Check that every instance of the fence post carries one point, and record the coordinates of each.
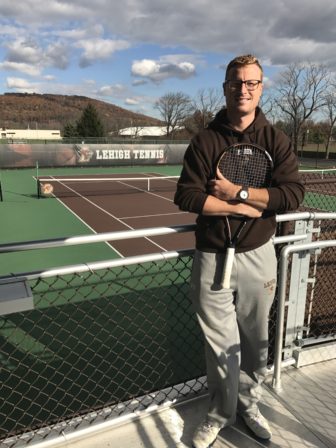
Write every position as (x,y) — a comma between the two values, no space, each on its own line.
(298,291)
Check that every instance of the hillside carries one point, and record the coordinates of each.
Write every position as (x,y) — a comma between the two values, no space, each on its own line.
(48,111)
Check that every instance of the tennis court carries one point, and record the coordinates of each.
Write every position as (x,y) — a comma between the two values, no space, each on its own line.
(95,205)
(123,202)
(83,207)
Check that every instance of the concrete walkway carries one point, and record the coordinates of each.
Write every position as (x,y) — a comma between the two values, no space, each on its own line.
(302,415)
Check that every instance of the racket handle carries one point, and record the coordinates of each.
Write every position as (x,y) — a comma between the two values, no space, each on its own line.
(228,264)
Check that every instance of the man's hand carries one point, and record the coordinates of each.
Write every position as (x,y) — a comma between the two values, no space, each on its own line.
(222,188)
(248,210)
(225,190)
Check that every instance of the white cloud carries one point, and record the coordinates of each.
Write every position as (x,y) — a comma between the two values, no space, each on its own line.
(78,33)
(97,49)
(139,82)
(132,101)
(268,29)
(21,85)
(233,26)
(27,56)
(28,69)
(24,51)
(116,90)
(160,70)
(57,55)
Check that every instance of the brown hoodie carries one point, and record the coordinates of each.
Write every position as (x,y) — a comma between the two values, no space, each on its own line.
(285,193)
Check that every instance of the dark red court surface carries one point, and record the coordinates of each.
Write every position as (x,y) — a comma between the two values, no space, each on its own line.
(126,205)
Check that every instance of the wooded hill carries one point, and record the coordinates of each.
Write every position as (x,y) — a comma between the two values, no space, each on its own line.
(48,111)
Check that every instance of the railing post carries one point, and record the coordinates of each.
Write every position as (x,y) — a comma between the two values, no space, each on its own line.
(297,291)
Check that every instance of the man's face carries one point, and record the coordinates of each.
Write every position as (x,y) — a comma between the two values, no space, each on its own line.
(239,99)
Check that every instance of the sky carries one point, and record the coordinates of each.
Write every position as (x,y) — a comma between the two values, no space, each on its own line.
(132,52)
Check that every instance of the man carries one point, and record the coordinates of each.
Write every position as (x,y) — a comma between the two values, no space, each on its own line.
(235,320)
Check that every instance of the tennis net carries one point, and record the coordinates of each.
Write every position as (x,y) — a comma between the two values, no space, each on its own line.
(96,186)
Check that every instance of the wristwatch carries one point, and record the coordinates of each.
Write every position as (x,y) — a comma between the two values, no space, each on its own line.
(243,194)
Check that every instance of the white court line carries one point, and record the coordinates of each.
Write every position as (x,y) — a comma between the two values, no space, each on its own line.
(109,214)
(145,191)
(82,220)
(153,216)
(86,224)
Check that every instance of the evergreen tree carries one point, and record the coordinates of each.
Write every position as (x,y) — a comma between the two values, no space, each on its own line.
(69,131)
(89,124)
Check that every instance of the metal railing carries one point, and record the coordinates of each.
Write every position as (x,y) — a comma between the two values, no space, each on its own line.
(96,342)
(107,339)
(280,324)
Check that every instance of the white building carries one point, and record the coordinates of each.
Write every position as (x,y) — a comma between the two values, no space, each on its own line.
(30,134)
(143,131)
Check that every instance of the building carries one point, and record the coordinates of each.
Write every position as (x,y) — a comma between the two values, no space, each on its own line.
(145,131)
(30,134)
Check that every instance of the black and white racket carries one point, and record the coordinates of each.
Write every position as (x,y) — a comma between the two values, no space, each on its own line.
(248,165)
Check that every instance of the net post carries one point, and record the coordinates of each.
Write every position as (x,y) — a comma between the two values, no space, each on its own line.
(1,196)
(38,186)
(37,180)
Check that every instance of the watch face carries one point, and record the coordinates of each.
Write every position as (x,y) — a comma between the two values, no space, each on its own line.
(243,194)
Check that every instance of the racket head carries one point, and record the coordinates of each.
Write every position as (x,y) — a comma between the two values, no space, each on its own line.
(246,164)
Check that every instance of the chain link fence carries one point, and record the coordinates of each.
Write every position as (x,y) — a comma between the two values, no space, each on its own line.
(320,309)
(110,341)
(99,339)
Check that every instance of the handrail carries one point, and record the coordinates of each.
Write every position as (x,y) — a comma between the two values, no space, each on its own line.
(128,234)
(95,265)
(87,239)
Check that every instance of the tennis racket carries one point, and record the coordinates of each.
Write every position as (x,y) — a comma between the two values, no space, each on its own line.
(248,165)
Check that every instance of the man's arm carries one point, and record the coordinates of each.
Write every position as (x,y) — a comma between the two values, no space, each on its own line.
(217,207)
(225,190)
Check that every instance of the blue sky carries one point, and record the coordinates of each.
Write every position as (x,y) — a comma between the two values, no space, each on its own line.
(131,52)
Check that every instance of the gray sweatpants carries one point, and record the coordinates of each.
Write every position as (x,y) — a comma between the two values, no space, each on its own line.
(235,325)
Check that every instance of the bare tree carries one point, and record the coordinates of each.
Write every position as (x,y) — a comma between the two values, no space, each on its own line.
(174,109)
(268,106)
(329,110)
(206,104)
(300,93)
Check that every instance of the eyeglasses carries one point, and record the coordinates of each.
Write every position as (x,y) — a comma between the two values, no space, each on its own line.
(250,84)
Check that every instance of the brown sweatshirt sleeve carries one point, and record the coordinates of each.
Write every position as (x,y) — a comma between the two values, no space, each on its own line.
(191,192)
(287,190)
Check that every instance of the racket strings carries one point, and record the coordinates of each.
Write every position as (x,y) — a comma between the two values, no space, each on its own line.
(246,166)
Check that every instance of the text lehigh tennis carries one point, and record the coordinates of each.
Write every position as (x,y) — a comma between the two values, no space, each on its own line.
(103,154)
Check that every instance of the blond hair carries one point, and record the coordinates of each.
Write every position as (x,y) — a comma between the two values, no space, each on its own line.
(239,61)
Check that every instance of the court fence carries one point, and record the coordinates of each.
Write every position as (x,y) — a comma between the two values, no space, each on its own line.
(94,343)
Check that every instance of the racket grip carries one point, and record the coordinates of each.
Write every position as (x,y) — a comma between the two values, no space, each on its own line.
(228,264)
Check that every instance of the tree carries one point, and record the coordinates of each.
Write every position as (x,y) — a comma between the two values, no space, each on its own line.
(69,131)
(300,93)
(329,111)
(268,106)
(206,104)
(89,124)
(174,109)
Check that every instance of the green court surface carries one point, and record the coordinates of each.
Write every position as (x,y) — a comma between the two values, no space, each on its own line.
(24,217)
